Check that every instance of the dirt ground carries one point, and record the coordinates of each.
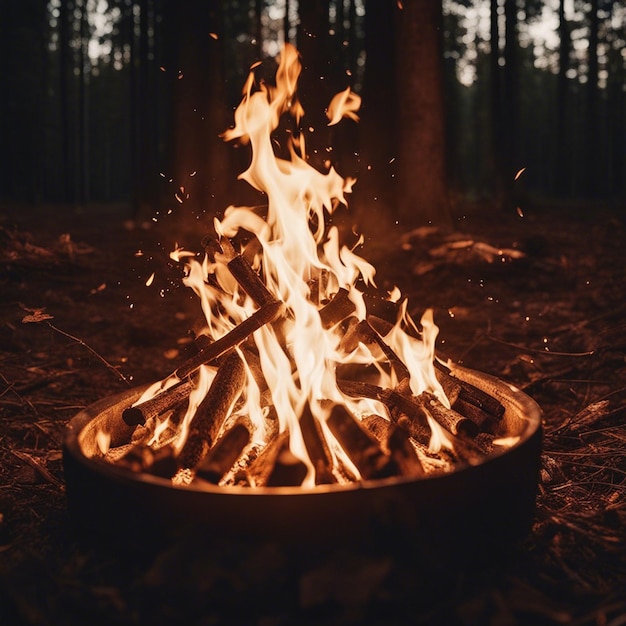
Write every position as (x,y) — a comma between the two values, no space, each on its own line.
(536,299)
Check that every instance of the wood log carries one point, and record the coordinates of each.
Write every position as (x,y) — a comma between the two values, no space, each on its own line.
(457,389)
(337,309)
(364,333)
(317,448)
(362,447)
(381,308)
(288,469)
(404,410)
(239,333)
(143,458)
(213,411)
(245,276)
(223,455)
(450,419)
(397,442)
(157,405)
(261,467)
(403,453)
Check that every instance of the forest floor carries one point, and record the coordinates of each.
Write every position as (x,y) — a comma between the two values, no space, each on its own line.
(78,323)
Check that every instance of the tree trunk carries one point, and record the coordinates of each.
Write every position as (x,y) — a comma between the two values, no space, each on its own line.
(592,170)
(563,163)
(422,191)
(495,74)
(377,127)
(510,106)
(199,158)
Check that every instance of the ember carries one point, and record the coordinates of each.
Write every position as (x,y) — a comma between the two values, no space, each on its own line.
(295,383)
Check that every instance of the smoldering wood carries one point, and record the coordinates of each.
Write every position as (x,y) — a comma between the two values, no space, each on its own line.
(164,401)
(338,309)
(245,276)
(403,453)
(317,448)
(450,419)
(238,334)
(380,325)
(259,469)
(378,426)
(144,458)
(364,333)
(397,442)
(362,447)
(224,454)
(408,414)
(464,448)
(288,469)
(213,410)
(403,409)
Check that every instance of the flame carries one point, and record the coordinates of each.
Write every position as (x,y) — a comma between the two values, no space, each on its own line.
(296,253)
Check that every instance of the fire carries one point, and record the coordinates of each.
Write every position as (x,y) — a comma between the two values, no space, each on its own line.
(290,351)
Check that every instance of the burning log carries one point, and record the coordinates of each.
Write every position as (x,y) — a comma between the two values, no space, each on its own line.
(144,458)
(452,421)
(364,333)
(288,470)
(317,448)
(167,399)
(213,411)
(337,309)
(245,276)
(223,455)
(403,409)
(239,333)
(362,448)
(397,442)
(261,467)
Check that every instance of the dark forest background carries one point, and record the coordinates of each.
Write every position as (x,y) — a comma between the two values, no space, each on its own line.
(122,101)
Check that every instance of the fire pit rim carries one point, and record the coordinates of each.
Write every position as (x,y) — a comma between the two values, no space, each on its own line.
(526,406)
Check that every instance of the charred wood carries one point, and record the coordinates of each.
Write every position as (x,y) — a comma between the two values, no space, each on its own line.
(288,470)
(317,448)
(261,467)
(165,400)
(239,333)
(223,455)
(245,276)
(213,411)
(404,410)
(397,442)
(362,448)
(143,458)
(364,333)
(403,453)
(450,419)
(337,309)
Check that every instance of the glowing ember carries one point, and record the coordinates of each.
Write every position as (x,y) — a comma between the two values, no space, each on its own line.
(295,381)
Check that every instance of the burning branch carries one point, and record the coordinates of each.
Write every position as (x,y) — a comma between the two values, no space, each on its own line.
(213,411)
(237,335)
(165,400)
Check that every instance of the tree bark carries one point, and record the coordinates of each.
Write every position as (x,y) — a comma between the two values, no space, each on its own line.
(592,171)
(510,107)
(421,186)
(563,163)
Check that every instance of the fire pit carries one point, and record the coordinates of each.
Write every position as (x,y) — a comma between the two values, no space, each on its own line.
(469,513)
(312,407)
